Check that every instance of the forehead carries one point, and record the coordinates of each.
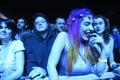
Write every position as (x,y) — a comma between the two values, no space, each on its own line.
(98,19)
(3,24)
(88,18)
(39,18)
(21,20)
(60,20)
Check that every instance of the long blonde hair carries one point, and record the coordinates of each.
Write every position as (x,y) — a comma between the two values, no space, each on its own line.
(73,22)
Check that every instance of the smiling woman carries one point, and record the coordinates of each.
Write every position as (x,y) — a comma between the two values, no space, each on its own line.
(11,52)
(75,54)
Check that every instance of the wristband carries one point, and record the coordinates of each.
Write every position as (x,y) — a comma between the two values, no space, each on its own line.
(112,64)
(102,60)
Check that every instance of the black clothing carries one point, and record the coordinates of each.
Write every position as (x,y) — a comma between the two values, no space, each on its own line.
(38,50)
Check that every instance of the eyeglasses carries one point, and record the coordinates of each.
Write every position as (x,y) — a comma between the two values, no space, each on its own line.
(38,22)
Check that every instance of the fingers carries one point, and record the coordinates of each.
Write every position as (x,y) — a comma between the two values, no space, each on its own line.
(96,39)
(38,78)
(91,41)
(37,72)
(93,34)
(31,74)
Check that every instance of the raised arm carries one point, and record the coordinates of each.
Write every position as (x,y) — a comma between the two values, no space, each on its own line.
(103,50)
(55,54)
(101,66)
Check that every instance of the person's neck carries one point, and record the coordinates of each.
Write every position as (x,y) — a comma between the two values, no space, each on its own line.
(101,34)
(6,42)
(43,34)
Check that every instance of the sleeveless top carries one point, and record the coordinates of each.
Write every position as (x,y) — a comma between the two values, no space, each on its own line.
(80,67)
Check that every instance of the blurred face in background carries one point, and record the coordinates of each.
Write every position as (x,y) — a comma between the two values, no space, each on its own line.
(60,24)
(115,31)
(21,24)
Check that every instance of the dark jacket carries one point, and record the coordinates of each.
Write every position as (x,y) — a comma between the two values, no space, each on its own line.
(38,50)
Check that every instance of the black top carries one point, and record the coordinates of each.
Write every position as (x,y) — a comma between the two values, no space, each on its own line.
(38,50)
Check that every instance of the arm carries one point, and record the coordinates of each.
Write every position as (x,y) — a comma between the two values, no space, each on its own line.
(55,54)
(103,51)
(112,63)
(100,67)
(30,61)
(19,66)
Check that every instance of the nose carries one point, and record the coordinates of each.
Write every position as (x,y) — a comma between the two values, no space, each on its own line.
(91,28)
(40,24)
(3,29)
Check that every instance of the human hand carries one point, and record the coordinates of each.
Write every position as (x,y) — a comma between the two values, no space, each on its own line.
(37,73)
(63,77)
(95,39)
(117,70)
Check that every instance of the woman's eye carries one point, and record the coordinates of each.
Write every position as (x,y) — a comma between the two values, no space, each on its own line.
(87,23)
(7,28)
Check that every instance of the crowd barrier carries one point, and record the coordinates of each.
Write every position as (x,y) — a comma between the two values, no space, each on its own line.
(106,75)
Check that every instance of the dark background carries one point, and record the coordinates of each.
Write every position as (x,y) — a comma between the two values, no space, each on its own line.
(59,8)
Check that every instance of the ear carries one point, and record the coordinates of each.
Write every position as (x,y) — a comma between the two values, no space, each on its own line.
(26,26)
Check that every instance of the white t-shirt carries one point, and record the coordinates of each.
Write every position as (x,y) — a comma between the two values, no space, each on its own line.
(9,65)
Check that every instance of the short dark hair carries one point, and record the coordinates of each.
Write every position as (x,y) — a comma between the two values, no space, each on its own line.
(41,15)
(10,24)
(25,20)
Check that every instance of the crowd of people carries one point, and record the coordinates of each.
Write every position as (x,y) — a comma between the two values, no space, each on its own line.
(82,44)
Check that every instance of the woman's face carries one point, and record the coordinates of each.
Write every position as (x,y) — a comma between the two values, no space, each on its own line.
(5,32)
(21,24)
(99,25)
(86,27)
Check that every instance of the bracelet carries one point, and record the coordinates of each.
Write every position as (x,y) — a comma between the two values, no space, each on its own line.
(102,60)
(112,64)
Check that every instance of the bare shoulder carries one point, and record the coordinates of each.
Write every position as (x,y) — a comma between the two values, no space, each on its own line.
(61,38)
(111,39)
(62,34)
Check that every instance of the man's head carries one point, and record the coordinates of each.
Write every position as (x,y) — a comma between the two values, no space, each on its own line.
(40,22)
(60,24)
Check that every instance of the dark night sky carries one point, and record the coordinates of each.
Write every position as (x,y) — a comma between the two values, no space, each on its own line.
(55,8)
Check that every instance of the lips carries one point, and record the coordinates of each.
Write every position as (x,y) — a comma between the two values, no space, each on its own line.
(98,29)
(3,33)
(87,34)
